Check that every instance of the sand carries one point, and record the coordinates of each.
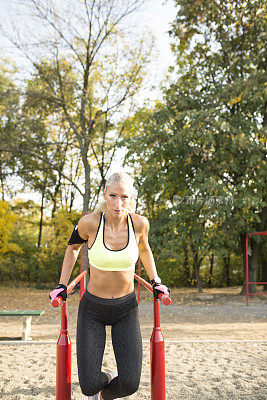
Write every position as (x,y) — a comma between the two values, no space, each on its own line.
(210,348)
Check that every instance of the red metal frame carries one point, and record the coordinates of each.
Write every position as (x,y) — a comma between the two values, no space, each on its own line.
(157,351)
(247,274)
(63,374)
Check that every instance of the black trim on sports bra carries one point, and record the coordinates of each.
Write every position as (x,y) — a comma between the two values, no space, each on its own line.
(132,223)
(104,235)
(89,248)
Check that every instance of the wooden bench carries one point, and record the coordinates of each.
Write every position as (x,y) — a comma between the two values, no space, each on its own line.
(26,319)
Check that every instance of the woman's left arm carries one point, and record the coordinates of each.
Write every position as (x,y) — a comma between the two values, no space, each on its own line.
(149,263)
(146,253)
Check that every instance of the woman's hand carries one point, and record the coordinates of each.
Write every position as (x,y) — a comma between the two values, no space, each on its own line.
(59,291)
(159,288)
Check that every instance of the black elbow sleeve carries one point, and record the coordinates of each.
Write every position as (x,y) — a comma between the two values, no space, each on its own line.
(75,237)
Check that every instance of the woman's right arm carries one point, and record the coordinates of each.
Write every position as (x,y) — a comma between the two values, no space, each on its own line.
(70,258)
(80,234)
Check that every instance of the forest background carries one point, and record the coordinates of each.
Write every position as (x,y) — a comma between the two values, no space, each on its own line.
(197,154)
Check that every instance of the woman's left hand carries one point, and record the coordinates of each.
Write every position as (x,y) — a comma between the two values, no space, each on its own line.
(159,288)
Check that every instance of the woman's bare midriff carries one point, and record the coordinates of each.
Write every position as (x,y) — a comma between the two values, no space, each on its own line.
(110,284)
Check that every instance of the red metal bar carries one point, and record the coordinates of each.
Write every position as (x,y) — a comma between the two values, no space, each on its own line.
(164,298)
(247,268)
(139,284)
(247,278)
(157,351)
(63,370)
(157,358)
(258,294)
(83,281)
(258,233)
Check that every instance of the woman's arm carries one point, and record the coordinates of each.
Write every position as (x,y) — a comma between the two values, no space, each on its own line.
(70,258)
(146,253)
(79,234)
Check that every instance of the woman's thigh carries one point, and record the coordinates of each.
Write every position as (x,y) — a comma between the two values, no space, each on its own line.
(90,346)
(127,346)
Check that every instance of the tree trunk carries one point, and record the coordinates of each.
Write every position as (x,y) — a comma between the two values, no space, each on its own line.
(186,265)
(211,258)
(41,219)
(196,266)
(226,271)
(54,198)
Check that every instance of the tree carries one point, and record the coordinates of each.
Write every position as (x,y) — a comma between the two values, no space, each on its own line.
(221,45)
(95,71)
(9,106)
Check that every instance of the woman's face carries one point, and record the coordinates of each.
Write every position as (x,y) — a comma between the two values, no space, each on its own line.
(118,198)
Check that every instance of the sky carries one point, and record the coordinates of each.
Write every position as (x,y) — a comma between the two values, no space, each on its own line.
(154,16)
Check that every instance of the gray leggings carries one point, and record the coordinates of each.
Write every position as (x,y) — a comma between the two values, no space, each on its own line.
(123,315)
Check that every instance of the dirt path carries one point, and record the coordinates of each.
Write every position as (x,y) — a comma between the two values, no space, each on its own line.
(222,314)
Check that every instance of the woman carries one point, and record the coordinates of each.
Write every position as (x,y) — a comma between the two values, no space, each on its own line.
(116,236)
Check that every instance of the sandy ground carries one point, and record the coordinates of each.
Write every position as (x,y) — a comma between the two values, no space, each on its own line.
(215,366)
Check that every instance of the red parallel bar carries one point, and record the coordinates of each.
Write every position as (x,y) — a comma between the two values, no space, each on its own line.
(139,284)
(258,233)
(247,281)
(63,371)
(83,281)
(258,294)
(163,297)
(157,351)
(247,294)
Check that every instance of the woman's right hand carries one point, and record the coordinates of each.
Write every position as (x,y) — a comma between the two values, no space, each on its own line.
(60,290)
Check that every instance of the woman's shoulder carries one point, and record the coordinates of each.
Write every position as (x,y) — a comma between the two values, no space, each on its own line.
(89,222)
(140,222)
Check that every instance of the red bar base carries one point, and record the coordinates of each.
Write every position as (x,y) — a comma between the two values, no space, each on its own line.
(63,376)
(157,364)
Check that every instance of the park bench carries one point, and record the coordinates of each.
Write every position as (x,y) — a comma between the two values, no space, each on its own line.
(26,319)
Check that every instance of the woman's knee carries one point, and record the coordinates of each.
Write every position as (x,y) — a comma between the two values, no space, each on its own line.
(89,387)
(128,386)
(89,390)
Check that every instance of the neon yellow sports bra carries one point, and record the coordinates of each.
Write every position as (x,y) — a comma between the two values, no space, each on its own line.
(113,260)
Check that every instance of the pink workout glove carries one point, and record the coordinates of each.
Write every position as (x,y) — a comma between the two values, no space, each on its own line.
(60,290)
(159,288)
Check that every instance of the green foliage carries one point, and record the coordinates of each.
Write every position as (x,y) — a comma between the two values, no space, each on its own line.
(7,223)
(200,155)
(54,246)
(20,257)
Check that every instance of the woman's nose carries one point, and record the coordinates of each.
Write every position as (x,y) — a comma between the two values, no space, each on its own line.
(118,202)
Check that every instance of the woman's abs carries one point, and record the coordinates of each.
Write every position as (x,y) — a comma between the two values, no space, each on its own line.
(110,284)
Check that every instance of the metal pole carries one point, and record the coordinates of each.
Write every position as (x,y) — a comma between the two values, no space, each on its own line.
(63,374)
(63,368)
(83,280)
(139,284)
(247,294)
(157,357)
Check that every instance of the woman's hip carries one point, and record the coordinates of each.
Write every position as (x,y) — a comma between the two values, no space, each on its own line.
(106,311)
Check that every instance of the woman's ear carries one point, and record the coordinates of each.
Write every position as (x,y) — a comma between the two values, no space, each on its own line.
(104,194)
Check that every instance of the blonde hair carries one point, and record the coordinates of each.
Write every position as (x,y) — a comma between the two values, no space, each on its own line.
(120,177)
